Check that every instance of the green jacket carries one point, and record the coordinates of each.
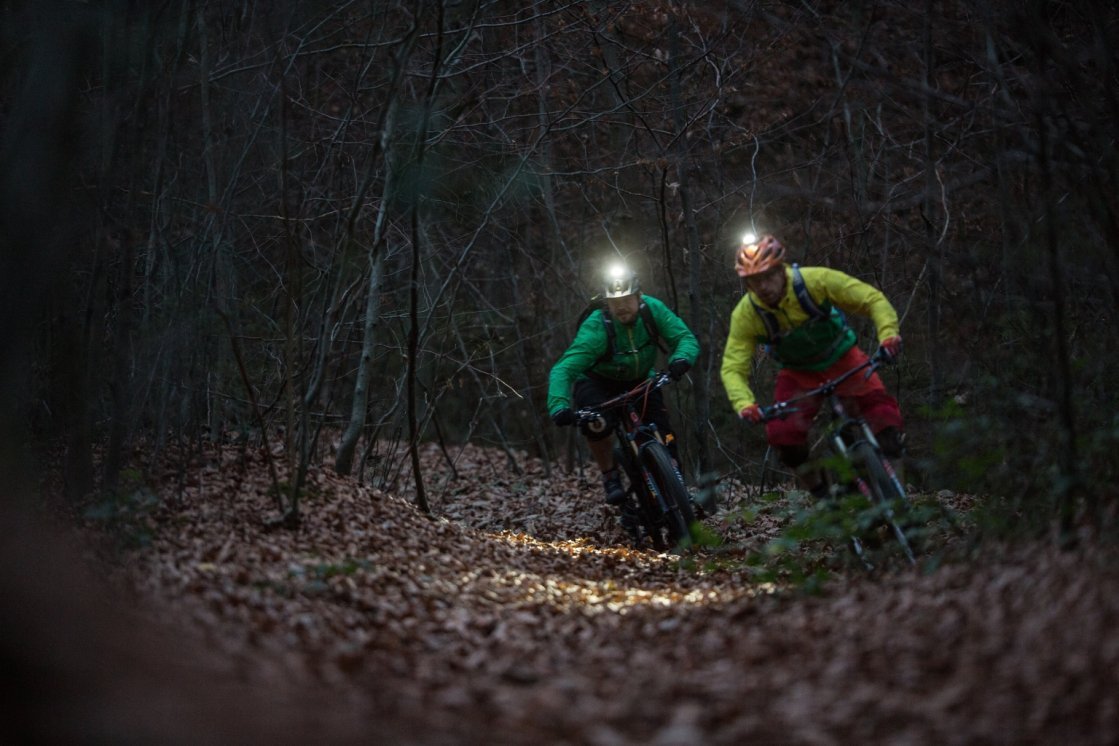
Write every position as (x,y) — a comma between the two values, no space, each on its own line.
(634,359)
(827,286)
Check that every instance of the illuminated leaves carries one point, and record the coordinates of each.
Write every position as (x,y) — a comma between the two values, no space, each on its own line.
(520,610)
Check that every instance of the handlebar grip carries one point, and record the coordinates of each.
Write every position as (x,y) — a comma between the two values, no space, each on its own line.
(777,412)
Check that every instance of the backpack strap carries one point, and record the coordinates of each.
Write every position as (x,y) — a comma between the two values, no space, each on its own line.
(772,329)
(611,344)
(646,314)
(804,298)
(651,326)
(807,302)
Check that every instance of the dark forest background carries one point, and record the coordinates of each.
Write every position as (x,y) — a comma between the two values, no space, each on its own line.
(353,225)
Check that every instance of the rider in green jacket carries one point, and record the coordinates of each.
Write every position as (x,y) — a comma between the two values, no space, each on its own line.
(614,350)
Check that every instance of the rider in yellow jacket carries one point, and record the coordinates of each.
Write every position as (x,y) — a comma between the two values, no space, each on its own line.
(811,341)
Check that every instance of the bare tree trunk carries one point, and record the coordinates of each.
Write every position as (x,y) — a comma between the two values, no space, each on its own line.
(1068,488)
(122,355)
(343,462)
(936,376)
(413,355)
(344,459)
(298,438)
(698,321)
(414,284)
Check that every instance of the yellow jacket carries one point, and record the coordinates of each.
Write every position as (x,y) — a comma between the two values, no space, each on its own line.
(747,329)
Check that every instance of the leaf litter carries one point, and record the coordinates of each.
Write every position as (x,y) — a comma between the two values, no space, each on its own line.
(518,612)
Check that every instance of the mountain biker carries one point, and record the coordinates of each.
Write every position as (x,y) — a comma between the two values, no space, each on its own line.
(614,350)
(797,315)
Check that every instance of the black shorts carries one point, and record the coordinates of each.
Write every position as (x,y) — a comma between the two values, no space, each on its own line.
(590,392)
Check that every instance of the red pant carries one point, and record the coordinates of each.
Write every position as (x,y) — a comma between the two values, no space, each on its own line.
(866,396)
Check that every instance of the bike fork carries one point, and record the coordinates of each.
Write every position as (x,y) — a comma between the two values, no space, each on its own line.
(857,546)
(893,476)
(864,488)
(898,486)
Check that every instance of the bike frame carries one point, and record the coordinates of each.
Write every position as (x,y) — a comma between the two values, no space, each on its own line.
(845,434)
(633,436)
(844,431)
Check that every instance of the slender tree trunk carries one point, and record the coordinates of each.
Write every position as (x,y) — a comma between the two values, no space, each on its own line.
(936,376)
(413,361)
(344,459)
(120,385)
(297,436)
(343,462)
(1069,488)
(414,285)
(698,310)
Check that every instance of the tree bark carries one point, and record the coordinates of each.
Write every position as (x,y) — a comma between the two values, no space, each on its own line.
(698,310)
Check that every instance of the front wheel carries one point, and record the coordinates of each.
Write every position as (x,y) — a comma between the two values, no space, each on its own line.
(885,490)
(675,504)
(642,507)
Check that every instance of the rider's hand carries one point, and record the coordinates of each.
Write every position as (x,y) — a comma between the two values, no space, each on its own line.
(678,367)
(753,413)
(891,348)
(564,417)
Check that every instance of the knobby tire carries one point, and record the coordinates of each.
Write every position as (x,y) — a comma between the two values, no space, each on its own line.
(648,512)
(678,516)
(646,504)
(883,490)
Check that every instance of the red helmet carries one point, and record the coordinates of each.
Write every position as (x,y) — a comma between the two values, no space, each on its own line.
(758,257)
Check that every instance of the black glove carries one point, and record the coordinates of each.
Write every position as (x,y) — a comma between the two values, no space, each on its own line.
(678,367)
(564,417)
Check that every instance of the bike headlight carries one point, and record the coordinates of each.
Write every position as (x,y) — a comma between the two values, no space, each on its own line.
(597,425)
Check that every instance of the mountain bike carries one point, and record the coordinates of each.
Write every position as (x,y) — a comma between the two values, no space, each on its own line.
(657,506)
(850,441)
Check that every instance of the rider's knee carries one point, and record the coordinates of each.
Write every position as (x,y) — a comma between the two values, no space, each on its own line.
(892,441)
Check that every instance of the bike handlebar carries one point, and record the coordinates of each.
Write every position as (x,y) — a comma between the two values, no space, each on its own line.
(590,416)
(782,409)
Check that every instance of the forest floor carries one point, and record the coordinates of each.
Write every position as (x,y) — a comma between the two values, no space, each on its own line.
(518,614)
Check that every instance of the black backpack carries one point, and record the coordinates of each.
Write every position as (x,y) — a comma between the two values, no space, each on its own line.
(598,303)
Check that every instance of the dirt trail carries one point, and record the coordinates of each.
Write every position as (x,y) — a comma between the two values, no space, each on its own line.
(519,616)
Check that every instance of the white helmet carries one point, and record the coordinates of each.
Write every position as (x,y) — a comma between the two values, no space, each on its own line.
(620,282)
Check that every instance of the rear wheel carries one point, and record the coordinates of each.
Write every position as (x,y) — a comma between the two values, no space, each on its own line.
(885,491)
(678,515)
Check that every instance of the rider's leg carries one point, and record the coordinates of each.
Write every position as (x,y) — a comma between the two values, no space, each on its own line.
(892,440)
(811,478)
(883,415)
(603,452)
(588,393)
(789,436)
